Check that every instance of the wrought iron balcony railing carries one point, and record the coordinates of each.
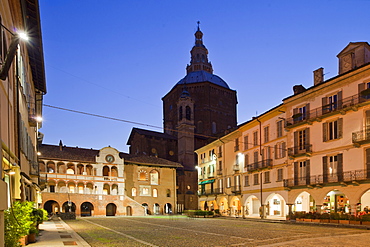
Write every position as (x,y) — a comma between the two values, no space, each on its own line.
(343,104)
(300,150)
(259,165)
(219,172)
(360,137)
(215,191)
(341,177)
(236,189)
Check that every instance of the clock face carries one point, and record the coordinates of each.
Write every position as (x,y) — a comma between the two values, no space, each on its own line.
(109,158)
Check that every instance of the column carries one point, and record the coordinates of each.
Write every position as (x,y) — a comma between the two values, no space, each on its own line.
(318,209)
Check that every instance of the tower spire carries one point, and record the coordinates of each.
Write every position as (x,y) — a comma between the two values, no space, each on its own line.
(199,55)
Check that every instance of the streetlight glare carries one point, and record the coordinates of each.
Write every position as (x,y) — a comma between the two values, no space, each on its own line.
(23,36)
(38,119)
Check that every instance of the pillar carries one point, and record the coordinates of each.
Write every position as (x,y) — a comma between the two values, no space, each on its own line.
(318,209)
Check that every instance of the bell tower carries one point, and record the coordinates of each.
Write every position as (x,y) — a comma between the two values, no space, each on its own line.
(199,55)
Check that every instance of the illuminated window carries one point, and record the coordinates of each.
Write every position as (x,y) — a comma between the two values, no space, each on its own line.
(155,193)
(133,192)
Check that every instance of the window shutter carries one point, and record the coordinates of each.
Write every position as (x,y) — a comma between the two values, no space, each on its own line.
(368,162)
(308,172)
(295,139)
(340,128)
(283,146)
(276,152)
(367,120)
(324,132)
(307,137)
(295,173)
(361,87)
(339,99)
(325,168)
(324,103)
(340,167)
(307,111)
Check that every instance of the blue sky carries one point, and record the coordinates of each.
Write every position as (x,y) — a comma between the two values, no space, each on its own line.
(119,58)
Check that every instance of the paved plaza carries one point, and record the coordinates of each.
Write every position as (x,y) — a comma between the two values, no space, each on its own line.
(182,231)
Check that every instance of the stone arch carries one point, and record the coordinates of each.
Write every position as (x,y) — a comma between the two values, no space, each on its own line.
(223,206)
(110,209)
(89,170)
(235,206)
(50,166)
(87,209)
(252,206)
(80,188)
(129,211)
(114,189)
(71,187)
(62,187)
(168,208)
(71,168)
(69,206)
(42,166)
(156,208)
(365,200)
(114,171)
(106,189)
(89,188)
(146,208)
(52,207)
(335,201)
(276,205)
(302,202)
(80,169)
(61,168)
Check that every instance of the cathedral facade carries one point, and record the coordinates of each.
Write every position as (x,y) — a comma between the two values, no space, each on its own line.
(199,108)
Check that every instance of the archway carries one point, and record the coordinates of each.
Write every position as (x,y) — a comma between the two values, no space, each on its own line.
(129,211)
(168,208)
(111,209)
(145,205)
(52,207)
(69,207)
(275,205)
(235,208)
(252,206)
(335,202)
(156,208)
(365,201)
(86,209)
(224,206)
(304,203)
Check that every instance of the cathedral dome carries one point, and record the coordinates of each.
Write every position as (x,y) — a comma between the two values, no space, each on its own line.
(202,76)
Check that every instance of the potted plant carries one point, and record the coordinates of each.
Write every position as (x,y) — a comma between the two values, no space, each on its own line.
(365,220)
(344,219)
(325,218)
(334,218)
(17,223)
(32,234)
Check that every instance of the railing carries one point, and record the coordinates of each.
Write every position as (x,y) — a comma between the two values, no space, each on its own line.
(326,109)
(299,150)
(211,175)
(259,165)
(361,136)
(236,148)
(79,177)
(348,176)
(236,168)
(235,189)
(219,155)
(215,191)
(219,172)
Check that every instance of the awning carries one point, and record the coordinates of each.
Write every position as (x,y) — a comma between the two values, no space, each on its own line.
(207,181)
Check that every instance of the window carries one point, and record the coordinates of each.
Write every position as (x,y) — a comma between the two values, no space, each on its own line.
(246,160)
(168,193)
(133,192)
(266,134)
(255,156)
(279,128)
(180,113)
(331,103)
(301,140)
(255,138)
(255,178)
(280,150)
(332,130)
(246,141)
(300,113)
(228,182)
(142,175)
(332,164)
(236,144)
(246,180)
(280,174)
(188,112)
(155,193)
(214,129)
(267,177)
(302,169)
(220,184)
(154,175)
(220,151)
(220,165)
(52,188)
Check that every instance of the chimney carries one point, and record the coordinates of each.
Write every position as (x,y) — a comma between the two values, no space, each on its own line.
(60,145)
(298,89)
(318,76)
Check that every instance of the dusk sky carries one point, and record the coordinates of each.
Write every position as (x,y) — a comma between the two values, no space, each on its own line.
(118,58)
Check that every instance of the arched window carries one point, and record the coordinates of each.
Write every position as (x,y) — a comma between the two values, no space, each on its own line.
(142,175)
(133,192)
(180,113)
(155,193)
(114,171)
(214,128)
(154,175)
(168,193)
(198,59)
(188,112)
(203,58)
(106,171)
(70,171)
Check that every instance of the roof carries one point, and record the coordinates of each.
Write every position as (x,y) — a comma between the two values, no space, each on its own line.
(149,133)
(34,45)
(54,152)
(149,160)
(202,76)
(68,153)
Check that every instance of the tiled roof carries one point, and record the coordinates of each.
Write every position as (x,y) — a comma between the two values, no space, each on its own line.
(54,152)
(149,133)
(67,153)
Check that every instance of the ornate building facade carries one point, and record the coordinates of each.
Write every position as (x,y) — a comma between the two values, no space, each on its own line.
(311,153)
(106,182)
(199,108)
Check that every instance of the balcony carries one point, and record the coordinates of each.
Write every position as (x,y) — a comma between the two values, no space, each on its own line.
(260,165)
(348,177)
(79,177)
(346,104)
(236,148)
(219,172)
(361,137)
(219,155)
(305,149)
(211,175)
(215,191)
(236,189)
(236,168)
